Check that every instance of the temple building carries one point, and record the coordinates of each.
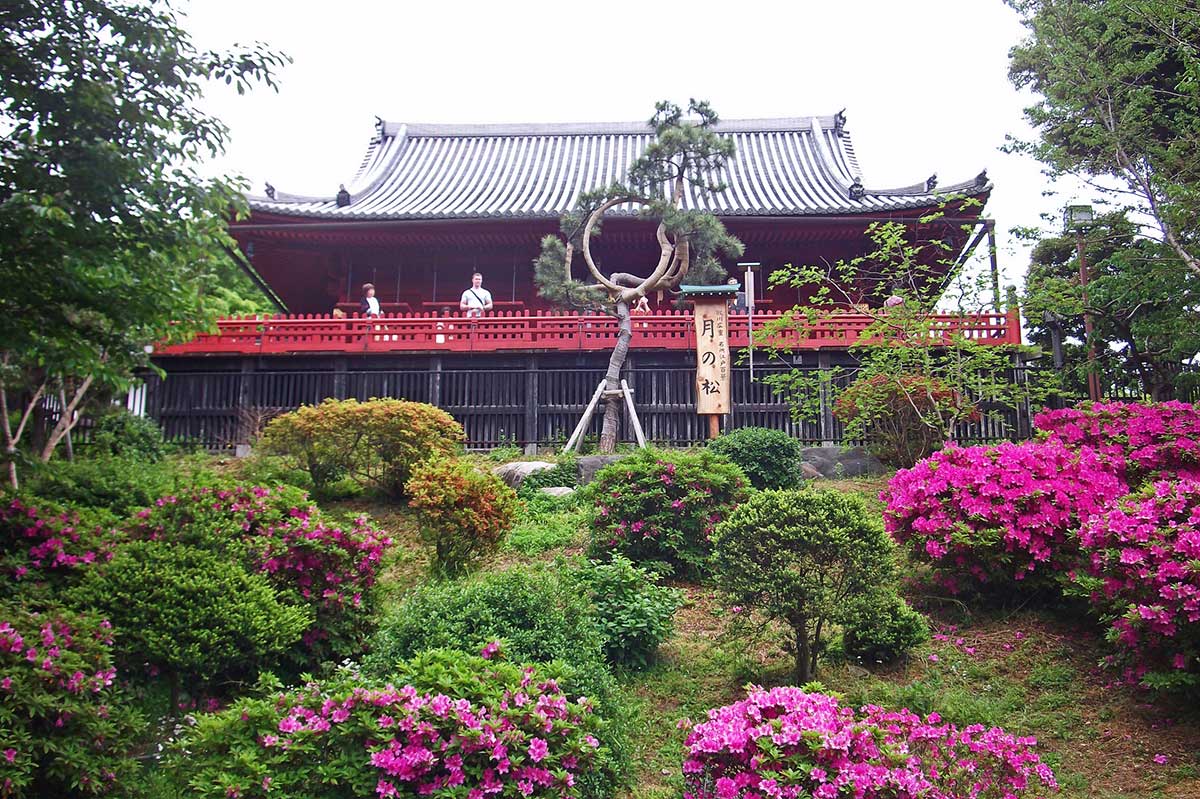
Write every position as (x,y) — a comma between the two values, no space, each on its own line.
(429,205)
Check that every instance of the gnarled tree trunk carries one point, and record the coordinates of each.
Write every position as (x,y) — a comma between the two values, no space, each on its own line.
(612,380)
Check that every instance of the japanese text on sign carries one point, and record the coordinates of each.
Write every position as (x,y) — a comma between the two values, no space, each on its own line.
(712,356)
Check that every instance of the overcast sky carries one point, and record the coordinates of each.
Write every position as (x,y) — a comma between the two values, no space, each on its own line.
(924,83)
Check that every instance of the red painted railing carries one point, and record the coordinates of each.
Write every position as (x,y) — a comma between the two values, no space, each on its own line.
(282,335)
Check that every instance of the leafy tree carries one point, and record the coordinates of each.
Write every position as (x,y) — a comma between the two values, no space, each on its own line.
(110,239)
(685,152)
(806,558)
(1145,309)
(1120,98)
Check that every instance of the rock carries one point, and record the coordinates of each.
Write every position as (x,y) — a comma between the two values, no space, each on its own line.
(809,472)
(513,474)
(588,465)
(557,491)
(834,462)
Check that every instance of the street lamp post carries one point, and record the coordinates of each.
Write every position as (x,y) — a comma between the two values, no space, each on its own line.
(1078,218)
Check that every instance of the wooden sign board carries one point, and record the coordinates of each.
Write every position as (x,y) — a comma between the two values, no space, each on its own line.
(712,355)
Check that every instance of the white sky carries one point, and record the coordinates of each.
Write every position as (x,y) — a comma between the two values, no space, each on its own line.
(924,83)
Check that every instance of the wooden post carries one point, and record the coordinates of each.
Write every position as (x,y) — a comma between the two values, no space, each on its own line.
(531,405)
(714,425)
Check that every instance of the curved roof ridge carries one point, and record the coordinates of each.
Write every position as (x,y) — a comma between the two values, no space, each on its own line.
(756,125)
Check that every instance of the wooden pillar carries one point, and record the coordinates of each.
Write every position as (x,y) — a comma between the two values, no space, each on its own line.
(340,381)
(435,381)
(531,405)
(824,366)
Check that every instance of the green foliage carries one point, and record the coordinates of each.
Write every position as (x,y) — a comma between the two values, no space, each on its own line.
(110,237)
(377,442)
(803,557)
(547,523)
(1119,86)
(120,484)
(880,627)
(119,432)
(565,473)
(463,512)
(1145,321)
(903,417)
(65,730)
(192,614)
(770,458)
(661,507)
(633,613)
(537,612)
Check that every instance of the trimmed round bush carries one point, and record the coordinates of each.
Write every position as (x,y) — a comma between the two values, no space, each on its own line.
(377,442)
(1141,440)
(661,507)
(1143,558)
(119,432)
(769,458)
(882,627)
(64,729)
(996,514)
(190,613)
(786,742)
(803,557)
(463,512)
(457,726)
(277,532)
(633,613)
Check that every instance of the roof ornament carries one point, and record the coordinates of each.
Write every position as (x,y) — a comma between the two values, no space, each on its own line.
(839,123)
(981,179)
(931,182)
(270,190)
(857,191)
(343,196)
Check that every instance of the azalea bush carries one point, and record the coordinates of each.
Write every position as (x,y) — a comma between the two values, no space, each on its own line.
(279,533)
(998,513)
(64,728)
(1143,570)
(469,726)
(634,613)
(189,613)
(661,507)
(803,558)
(769,458)
(1142,440)
(377,442)
(45,545)
(462,512)
(904,416)
(786,742)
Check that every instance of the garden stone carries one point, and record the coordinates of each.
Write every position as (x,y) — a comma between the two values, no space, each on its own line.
(588,465)
(834,462)
(557,491)
(513,474)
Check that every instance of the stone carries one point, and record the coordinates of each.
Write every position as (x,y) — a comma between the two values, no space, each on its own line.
(588,465)
(513,474)
(835,462)
(557,491)
(809,472)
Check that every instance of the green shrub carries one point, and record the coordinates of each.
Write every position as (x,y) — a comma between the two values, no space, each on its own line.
(633,613)
(803,557)
(547,523)
(46,546)
(64,728)
(190,613)
(463,512)
(881,627)
(769,458)
(537,612)
(120,484)
(377,442)
(661,507)
(564,473)
(451,729)
(118,432)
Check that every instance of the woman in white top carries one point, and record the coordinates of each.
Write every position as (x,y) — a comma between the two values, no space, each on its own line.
(369,305)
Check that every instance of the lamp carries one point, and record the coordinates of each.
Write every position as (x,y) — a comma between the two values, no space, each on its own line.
(1077,219)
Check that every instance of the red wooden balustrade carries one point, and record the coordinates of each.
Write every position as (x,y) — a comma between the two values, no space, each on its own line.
(515,330)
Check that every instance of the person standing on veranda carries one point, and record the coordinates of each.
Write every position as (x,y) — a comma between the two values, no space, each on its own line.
(476,299)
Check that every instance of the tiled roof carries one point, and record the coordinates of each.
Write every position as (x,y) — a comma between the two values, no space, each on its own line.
(782,167)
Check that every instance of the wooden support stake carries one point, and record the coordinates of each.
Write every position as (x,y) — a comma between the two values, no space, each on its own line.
(633,417)
(577,437)
(714,425)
